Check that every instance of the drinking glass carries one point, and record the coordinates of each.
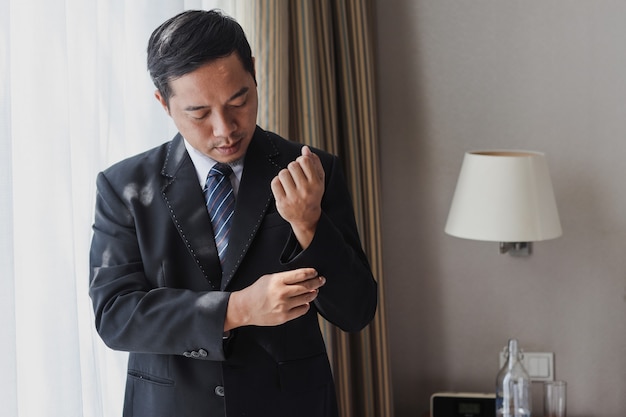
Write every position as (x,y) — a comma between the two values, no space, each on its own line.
(554,398)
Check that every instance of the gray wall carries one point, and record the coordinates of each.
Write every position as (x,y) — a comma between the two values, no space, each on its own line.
(544,75)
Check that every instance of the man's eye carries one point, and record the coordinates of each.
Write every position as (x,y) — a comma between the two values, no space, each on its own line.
(200,116)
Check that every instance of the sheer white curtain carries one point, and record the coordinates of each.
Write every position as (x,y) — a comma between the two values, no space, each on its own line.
(74,97)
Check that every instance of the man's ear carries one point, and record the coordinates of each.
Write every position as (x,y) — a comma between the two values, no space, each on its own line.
(159,97)
(254,70)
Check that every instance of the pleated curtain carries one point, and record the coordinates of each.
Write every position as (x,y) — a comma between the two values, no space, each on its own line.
(315,70)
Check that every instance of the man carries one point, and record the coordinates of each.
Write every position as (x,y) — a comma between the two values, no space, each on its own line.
(222,320)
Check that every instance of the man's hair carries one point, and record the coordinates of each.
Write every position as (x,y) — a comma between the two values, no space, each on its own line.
(191,39)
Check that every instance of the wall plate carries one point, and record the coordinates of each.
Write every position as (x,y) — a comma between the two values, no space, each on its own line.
(539,365)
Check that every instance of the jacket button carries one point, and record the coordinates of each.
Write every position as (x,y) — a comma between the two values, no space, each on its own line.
(203,353)
(219,391)
(187,354)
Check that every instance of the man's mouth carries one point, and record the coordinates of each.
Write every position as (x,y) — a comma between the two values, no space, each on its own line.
(228,149)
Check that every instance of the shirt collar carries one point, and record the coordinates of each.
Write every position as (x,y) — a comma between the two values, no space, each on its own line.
(203,165)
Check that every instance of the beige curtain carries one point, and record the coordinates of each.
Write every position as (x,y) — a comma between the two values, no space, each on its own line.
(315,71)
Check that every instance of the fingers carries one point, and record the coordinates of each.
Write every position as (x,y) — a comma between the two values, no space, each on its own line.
(289,180)
(276,298)
(311,164)
(297,175)
(306,168)
(302,285)
(298,276)
(317,164)
(277,188)
(301,295)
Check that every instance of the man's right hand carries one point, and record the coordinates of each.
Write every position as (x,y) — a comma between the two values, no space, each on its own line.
(273,299)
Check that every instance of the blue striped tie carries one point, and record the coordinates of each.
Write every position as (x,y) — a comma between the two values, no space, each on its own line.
(220,202)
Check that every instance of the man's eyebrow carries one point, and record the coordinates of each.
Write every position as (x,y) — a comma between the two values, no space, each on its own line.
(194,108)
(239,93)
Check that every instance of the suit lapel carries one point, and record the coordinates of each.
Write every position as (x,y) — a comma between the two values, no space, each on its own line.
(185,201)
(253,199)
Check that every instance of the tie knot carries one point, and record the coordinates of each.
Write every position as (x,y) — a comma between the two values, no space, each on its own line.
(221,169)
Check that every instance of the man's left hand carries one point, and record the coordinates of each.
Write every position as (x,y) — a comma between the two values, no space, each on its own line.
(298,190)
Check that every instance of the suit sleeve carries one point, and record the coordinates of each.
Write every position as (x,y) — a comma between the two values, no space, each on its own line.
(350,296)
(132,311)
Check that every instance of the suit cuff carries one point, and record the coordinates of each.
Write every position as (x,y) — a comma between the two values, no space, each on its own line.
(291,250)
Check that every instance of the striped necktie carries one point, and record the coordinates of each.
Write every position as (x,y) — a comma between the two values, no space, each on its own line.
(220,202)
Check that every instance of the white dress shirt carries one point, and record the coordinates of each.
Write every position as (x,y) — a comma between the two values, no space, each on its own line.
(203,165)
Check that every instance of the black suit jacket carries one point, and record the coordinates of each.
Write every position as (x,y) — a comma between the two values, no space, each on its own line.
(159,292)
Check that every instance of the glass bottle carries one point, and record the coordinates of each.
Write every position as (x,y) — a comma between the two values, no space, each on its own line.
(513,396)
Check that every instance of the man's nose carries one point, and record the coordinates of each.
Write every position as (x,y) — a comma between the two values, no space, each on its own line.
(223,124)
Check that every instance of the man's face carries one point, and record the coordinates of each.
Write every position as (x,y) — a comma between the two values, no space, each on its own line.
(214,107)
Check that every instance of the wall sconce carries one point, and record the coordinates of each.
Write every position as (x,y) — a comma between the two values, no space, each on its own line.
(507,197)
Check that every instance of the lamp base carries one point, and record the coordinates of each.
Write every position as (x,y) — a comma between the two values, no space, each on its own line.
(516,248)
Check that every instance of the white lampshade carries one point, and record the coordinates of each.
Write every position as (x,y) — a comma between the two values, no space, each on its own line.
(504,196)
